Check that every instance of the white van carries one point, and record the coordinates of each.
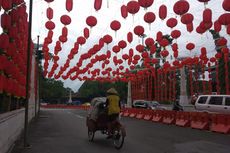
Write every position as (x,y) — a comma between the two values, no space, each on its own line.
(213,103)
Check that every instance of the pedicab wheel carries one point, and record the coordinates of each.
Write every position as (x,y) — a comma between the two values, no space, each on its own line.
(90,135)
(118,139)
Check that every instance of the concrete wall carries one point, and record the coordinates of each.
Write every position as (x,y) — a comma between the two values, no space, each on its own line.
(12,123)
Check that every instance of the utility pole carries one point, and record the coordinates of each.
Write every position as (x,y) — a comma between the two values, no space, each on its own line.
(26,145)
(37,101)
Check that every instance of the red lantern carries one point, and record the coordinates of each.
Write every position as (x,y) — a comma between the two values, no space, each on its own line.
(181,7)
(190,46)
(49,1)
(207,16)
(175,34)
(153,49)
(116,49)
(130,37)
(228,29)
(133,7)
(159,36)
(50,25)
(149,18)
(139,30)
(97,4)
(124,12)
(162,12)
(189,27)
(64,31)
(115,25)
(65,19)
(91,21)
(136,57)
(49,13)
(171,22)
(213,59)
(145,3)
(149,42)
(164,42)
(187,18)
(174,47)
(5,21)
(140,48)
(222,42)
(122,44)
(107,39)
(81,40)
(7,4)
(217,26)
(204,1)
(226,5)
(86,33)
(69,5)
(224,19)
(63,39)
(164,53)
(144,54)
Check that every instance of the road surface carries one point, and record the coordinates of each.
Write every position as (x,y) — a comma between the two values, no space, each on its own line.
(64,131)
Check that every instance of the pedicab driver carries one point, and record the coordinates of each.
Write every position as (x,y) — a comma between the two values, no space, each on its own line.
(114,108)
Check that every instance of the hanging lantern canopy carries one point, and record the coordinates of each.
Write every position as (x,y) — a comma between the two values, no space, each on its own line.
(91,21)
(49,13)
(129,37)
(124,12)
(187,18)
(190,46)
(226,5)
(149,42)
(69,5)
(171,22)
(162,12)
(145,3)
(97,4)
(149,18)
(65,19)
(181,7)
(207,16)
(50,25)
(224,19)
(139,30)
(86,33)
(133,7)
(175,34)
(122,44)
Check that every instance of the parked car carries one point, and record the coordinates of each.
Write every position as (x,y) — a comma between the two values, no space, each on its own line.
(148,105)
(213,103)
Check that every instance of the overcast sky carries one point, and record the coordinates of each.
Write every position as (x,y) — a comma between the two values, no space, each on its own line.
(84,8)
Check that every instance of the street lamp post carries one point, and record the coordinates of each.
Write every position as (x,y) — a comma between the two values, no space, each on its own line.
(28,76)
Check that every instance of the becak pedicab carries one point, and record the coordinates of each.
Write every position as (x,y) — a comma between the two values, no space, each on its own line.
(97,120)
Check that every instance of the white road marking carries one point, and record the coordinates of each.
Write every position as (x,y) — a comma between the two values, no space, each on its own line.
(79,116)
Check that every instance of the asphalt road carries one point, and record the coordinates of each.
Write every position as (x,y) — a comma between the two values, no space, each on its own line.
(64,131)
